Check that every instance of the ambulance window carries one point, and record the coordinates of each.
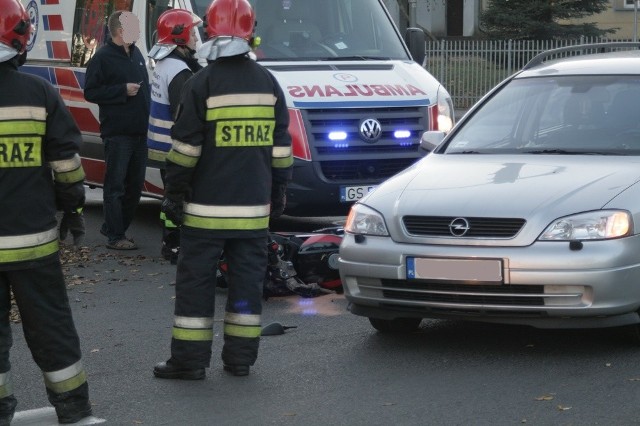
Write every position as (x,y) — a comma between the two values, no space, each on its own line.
(154,10)
(90,27)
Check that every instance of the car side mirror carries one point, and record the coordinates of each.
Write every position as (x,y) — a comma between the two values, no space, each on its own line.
(431,139)
(416,42)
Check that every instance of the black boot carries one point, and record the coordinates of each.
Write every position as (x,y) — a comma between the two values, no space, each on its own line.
(237,370)
(71,406)
(73,415)
(7,408)
(169,370)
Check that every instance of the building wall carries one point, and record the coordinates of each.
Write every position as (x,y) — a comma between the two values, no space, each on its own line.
(617,16)
(431,15)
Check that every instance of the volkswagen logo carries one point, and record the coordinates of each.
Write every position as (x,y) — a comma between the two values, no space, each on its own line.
(459,227)
(370,130)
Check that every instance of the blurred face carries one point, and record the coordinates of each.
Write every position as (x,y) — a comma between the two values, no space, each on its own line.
(130,28)
(192,39)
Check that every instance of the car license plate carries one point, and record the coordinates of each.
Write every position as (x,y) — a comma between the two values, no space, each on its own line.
(482,270)
(354,193)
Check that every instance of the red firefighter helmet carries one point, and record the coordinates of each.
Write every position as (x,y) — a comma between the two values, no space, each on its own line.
(174,26)
(231,18)
(15,29)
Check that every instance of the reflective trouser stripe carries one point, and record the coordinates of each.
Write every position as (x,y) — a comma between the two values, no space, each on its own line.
(67,379)
(192,329)
(242,325)
(17,248)
(226,217)
(230,224)
(192,335)
(6,388)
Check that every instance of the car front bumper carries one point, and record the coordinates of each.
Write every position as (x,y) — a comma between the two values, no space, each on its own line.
(545,285)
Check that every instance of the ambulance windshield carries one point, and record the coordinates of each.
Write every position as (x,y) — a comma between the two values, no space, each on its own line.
(292,30)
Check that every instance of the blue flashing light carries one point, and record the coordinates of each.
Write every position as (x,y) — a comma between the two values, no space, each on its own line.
(402,134)
(337,136)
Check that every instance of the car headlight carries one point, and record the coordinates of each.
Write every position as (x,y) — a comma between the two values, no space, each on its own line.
(445,111)
(364,220)
(596,225)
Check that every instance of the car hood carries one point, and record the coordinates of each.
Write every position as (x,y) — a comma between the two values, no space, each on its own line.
(538,189)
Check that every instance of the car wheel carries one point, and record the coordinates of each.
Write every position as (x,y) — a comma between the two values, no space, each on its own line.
(398,325)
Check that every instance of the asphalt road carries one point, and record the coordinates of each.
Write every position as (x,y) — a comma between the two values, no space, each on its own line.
(333,369)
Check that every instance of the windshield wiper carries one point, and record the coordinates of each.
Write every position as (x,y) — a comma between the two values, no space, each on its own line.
(358,58)
(565,152)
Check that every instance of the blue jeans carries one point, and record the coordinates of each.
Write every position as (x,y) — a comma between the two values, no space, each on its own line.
(126,162)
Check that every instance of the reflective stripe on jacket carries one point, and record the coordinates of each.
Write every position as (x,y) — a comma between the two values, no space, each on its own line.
(230,145)
(39,147)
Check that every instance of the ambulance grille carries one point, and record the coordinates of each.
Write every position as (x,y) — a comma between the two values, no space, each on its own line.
(357,159)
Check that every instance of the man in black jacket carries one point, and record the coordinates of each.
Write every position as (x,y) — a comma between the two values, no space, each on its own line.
(117,80)
(40,172)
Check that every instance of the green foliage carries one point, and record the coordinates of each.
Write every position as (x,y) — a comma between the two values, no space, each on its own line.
(542,19)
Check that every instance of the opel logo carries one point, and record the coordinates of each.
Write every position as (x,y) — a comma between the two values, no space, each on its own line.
(459,227)
(370,130)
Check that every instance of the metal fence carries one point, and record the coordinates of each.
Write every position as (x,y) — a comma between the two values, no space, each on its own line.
(470,68)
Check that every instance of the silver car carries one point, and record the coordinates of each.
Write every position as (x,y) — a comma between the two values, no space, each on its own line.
(525,213)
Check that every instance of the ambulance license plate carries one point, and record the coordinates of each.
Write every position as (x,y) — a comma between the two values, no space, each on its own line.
(354,193)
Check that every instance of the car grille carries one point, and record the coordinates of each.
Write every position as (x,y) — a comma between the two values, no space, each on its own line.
(485,227)
(363,169)
(356,159)
(467,294)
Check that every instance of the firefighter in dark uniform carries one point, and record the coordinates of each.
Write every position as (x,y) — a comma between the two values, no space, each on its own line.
(40,172)
(227,173)
(174,53)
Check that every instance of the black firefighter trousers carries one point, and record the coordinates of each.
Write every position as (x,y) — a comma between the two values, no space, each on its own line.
(195,298)
(48,327)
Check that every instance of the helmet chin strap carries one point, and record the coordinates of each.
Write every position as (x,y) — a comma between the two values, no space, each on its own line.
(221,47)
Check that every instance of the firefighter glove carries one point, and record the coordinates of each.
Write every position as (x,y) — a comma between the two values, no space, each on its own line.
(278,200)
(72,222)
(173,209)
(69,196)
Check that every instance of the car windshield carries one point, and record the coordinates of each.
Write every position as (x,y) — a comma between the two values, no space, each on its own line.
(596,115)
(292,30)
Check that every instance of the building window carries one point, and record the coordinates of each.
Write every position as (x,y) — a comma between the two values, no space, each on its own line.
(628,4)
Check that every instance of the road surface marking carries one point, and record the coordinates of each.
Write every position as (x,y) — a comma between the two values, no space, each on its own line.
(46,416)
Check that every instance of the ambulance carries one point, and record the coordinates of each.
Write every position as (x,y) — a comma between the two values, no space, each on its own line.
(359,97)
